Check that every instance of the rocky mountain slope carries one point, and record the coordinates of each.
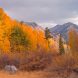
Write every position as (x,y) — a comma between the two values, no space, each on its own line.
(63,29)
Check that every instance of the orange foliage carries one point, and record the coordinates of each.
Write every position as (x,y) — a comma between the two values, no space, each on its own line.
(36,37)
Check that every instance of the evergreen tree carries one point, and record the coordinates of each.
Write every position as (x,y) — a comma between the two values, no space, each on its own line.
(48,35)
(61,47)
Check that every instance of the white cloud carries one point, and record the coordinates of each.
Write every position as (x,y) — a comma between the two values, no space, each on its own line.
(73,19)
(42,11)
(49,25)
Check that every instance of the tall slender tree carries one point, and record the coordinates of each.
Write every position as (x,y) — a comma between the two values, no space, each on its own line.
(48,35)
(73,40)
(61,47)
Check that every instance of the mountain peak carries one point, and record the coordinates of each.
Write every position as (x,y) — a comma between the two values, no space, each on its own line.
(33,24)
(69,24)
(63,29)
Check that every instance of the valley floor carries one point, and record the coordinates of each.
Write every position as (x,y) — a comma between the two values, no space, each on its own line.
(39,74)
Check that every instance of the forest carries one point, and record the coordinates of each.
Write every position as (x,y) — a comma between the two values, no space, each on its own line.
(31,49)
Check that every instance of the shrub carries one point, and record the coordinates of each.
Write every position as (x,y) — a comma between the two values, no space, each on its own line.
(4,60)
(63,62)
(36,61)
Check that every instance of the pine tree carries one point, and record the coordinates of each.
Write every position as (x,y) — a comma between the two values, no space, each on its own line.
(61,47)
(48,35)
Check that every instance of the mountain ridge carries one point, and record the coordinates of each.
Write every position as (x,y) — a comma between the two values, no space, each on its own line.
(63,29)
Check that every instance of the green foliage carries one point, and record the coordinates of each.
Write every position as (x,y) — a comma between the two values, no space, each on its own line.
(18,38)
(61,47)
(47,33)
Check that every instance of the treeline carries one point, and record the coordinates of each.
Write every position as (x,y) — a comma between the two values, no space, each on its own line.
(21,45)
(31,49)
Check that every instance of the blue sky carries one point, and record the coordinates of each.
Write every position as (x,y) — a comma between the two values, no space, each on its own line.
(44,12)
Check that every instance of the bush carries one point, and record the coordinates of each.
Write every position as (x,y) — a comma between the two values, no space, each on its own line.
(36,61)
(63,62)
(4,60)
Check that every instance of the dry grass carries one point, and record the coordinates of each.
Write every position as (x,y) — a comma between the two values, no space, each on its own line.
(4,74)
(38,74)
(59,69)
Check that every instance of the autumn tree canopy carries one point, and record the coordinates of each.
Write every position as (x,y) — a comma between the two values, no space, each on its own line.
(14,33)
(18,39)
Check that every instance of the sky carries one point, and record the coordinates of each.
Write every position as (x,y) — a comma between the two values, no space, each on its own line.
(46,13)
